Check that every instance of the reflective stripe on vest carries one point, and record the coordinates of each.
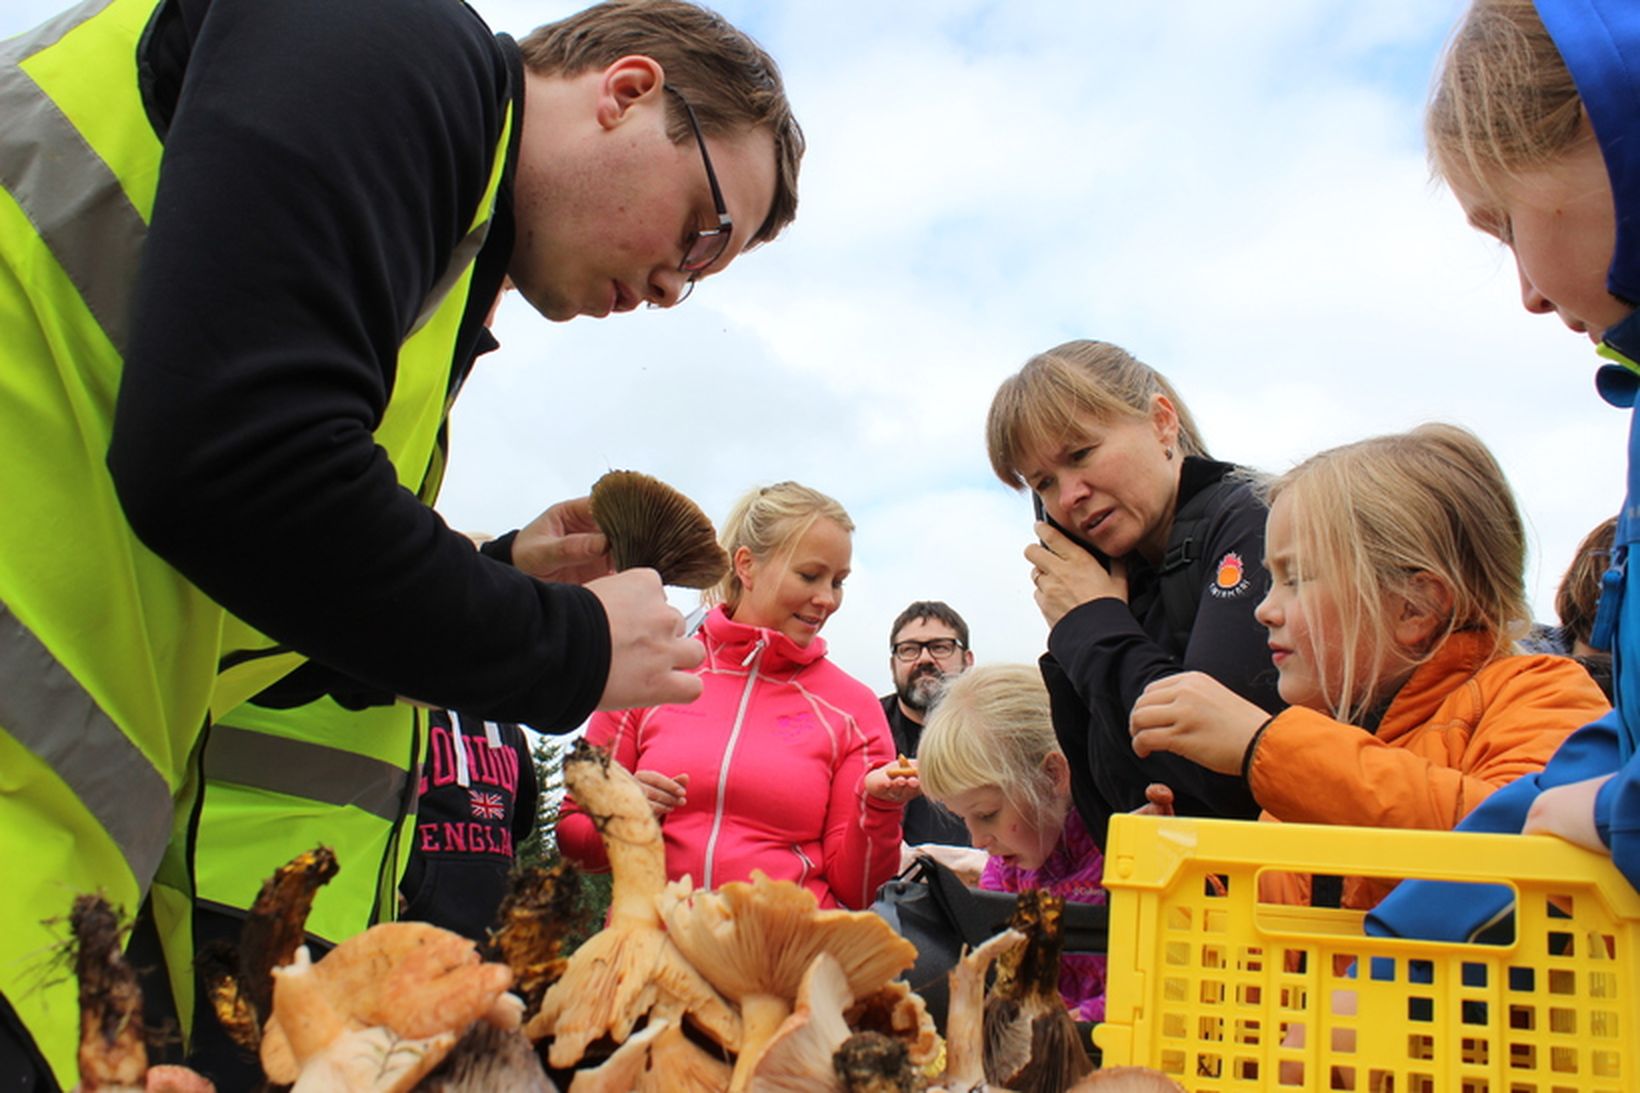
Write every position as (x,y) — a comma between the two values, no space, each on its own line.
(74,201)
(302,768)
(84,218)
(279,782)
(47,710)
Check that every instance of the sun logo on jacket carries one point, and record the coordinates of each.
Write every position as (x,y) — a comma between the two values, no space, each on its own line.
(1230,576)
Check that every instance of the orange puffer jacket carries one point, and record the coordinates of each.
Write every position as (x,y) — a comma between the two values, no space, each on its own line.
(1463,725)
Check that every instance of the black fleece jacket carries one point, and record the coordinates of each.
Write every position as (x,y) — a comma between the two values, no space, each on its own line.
(1103,653)
(321,161)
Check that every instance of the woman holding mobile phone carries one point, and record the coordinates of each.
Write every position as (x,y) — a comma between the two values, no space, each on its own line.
(1148,562)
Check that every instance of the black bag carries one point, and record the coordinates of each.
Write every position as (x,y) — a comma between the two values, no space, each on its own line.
(930,907)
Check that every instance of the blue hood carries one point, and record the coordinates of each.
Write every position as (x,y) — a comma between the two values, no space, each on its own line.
(1600,40)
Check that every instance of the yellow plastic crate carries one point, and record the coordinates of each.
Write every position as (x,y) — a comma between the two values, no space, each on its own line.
(1225,993)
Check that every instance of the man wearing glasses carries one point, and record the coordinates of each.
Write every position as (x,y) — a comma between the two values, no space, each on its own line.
(246,257)
(928,644)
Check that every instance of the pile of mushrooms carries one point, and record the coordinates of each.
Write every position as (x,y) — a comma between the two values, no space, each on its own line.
(751,987)
(755,969)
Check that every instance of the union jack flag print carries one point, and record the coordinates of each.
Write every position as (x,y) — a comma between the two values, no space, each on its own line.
(486,806)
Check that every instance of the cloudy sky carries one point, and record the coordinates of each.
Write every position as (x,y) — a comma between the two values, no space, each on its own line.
(1235,192)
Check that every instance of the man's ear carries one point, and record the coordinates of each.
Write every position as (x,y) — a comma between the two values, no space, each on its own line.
(744,563)
(967,659)
(1422,612)
(627,82)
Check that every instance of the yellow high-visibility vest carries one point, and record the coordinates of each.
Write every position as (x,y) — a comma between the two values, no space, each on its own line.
(109,658)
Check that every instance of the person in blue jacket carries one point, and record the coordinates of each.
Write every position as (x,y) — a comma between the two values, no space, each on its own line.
(1535,126)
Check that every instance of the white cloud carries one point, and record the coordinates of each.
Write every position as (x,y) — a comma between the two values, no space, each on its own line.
(1235,192)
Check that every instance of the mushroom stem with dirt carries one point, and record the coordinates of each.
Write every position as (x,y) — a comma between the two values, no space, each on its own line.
(1031,1043)
(965,1018)
(113,1055)
(620,973)
(239,977)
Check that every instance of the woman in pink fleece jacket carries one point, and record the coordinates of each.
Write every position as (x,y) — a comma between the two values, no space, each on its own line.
(766,770)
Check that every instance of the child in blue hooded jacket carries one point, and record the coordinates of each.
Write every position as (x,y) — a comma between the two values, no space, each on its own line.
(1535,125)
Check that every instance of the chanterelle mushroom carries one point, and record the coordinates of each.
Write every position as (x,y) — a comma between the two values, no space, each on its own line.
(620,973)
(754,941)
(678,1065)
(619,1073)
(416,980)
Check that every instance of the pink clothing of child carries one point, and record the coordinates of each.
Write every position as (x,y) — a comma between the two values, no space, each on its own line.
(777,749)
(1073,870)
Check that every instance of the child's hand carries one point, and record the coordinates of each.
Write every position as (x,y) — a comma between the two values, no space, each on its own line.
(889,782)
(1568,811)
(1196,716)
(1067,576)
(665,794)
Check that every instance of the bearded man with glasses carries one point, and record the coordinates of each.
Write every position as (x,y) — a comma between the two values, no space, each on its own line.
(928,644)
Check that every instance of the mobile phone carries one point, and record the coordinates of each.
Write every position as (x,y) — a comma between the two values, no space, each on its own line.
(1042,515)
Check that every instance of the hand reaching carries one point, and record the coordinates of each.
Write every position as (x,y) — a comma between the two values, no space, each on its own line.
(1568,811)
(664,794)
(965,861)
(1194,715)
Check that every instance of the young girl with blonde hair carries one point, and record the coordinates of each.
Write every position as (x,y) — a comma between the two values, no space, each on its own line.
(1397,598)
(990,757)
(767,769)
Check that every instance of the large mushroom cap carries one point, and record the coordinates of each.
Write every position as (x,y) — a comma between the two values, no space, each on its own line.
(759,937)
(753,942)
(416,980)
(648,523)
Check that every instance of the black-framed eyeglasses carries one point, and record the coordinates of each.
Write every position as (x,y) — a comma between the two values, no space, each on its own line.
(705,245)
(939,648)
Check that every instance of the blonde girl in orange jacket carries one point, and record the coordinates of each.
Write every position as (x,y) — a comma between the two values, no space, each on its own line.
(1397,596)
